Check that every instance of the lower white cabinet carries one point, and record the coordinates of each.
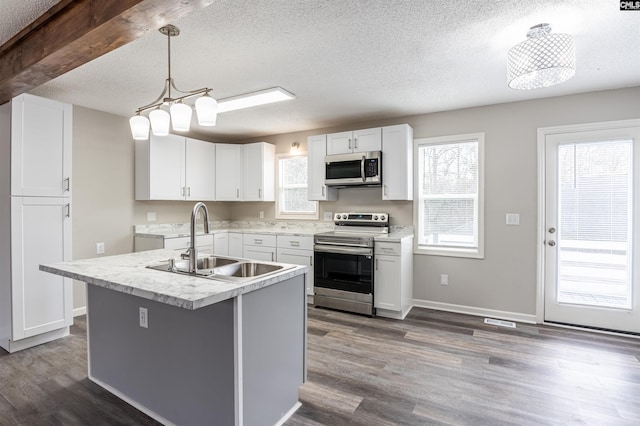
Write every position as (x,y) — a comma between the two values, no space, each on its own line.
(221,244)
(35,306)
(259,247)
(142,242)
(393,278)
(235,244)
(297,250)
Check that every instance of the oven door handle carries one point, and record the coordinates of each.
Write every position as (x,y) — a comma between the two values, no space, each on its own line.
(343,250)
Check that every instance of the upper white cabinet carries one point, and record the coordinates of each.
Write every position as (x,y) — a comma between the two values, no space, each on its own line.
(228,172)
(316,151)
(245,172)
(200,170)
(175,168)
(258,172)
(41,136)
(354,141)
(397,162)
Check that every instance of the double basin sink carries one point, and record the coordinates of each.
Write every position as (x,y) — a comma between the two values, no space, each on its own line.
(221,268)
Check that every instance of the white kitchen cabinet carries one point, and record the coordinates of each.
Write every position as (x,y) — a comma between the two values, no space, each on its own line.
(200,175)
(35,221)
(397,162)
(41,233)
(174,168)
(297,250)
(228,172)
(235,244)
(316,151)
(41,136)
(393,278)
(258,172)
(143,242)
(221,244)
(259,247)
(354,141)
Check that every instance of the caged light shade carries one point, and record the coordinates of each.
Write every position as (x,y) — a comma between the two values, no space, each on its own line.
(542,60)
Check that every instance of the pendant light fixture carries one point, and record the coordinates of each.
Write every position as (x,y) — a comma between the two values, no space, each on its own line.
(542,60)
(179,115)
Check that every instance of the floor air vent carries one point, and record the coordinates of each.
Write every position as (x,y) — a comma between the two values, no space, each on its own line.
(500,323)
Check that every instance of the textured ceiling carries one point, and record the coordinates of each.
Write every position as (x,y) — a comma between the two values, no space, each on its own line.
(17,14)
(349,61)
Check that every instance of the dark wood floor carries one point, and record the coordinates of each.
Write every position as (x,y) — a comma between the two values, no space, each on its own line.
(434,368)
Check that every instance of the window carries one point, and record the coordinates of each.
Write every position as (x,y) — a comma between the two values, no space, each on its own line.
(449,195)
(292,201)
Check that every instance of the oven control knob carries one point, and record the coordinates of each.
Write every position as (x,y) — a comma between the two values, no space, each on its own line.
(382,217)
(375,217)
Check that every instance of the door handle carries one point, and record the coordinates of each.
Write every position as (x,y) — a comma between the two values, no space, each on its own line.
(355,143)
(259,193)
(552,243)
(362,169)
(67,184)
(376,264)
(323,191)
(67,210)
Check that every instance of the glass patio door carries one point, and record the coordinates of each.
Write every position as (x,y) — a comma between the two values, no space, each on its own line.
(592,200)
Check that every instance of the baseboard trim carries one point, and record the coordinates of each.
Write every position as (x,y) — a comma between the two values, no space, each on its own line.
(79,311)
(38,339)
(472,310)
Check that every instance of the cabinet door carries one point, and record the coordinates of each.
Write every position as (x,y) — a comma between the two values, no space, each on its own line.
(267,254)
(41,234)
(41,136)
(200,172)
(367,140)
(316,151)
(397,162)
(339,143)
(228,172)
(299,257)
(387,291)
(235,244)
(166,167)
(221,244)
(259,167)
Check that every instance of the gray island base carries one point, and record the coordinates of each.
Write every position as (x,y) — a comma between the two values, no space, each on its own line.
(237,361)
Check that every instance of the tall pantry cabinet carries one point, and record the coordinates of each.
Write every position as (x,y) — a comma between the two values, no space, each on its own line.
(35,220)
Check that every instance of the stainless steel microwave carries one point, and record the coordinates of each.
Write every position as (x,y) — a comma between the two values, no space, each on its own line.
(358,168)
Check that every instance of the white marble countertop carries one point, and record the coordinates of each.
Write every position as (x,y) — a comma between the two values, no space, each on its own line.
(396,236)
(127,273)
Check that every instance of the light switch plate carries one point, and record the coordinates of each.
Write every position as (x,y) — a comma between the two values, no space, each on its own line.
(513,219)
(99,248)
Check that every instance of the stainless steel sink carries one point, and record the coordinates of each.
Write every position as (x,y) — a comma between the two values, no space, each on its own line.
(221,268)
(247,269)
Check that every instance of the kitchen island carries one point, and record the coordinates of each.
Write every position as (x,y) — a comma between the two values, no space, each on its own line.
(200,351)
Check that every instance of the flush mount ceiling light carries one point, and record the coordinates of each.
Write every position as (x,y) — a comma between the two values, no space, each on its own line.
(542,60)
(207,108)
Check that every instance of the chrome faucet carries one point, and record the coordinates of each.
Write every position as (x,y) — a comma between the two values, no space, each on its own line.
(192,251)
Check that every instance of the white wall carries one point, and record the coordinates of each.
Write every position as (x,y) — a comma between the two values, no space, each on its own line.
(505,280)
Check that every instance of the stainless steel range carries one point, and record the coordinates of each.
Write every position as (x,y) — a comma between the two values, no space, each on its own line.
(343,271)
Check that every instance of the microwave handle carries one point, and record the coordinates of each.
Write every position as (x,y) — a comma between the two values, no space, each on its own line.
(364,178)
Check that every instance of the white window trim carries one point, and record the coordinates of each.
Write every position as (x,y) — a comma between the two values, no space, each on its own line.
(295,216)
(475,252)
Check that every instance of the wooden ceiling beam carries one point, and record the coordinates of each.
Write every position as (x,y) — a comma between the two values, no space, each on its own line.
(74,32)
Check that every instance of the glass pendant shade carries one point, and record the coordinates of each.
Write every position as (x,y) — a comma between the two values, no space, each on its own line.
(206,110)
(139,127)
(159,122)
(544,59)
(181,117)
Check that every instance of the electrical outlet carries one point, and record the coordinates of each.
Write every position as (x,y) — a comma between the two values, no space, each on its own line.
(99,248)
(328,216)
(513,219)
(144,317)
(261,214)
(444,279)
(151,216)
